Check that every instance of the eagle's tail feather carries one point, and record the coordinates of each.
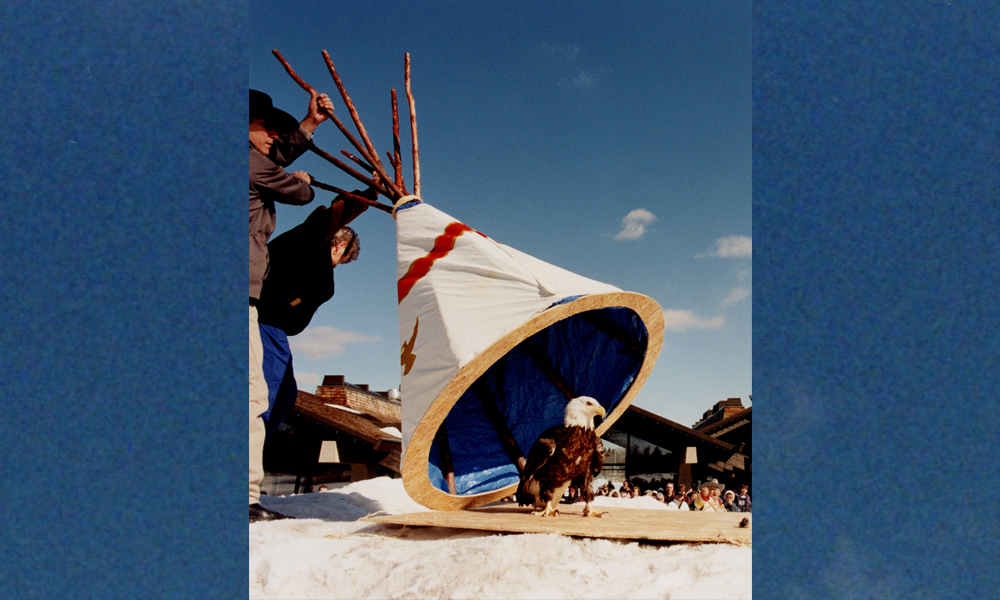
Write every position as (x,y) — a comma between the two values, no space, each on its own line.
(523,498)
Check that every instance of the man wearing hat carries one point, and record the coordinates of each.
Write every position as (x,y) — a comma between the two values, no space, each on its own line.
(300,280)
(276,140)
(707,498)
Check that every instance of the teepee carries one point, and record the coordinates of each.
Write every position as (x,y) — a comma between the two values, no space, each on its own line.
(493,342)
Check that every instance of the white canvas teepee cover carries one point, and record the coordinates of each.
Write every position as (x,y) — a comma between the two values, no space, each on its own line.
(465,302)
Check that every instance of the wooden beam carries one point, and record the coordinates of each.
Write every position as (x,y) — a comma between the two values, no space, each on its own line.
(737,460)
(546,366)
(614,330)
(387,445)
(392,461)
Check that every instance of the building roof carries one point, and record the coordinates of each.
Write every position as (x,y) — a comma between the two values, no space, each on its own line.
(663,432)
(721,410)
(671,435)
(731,422)
(351,423)
(382,407)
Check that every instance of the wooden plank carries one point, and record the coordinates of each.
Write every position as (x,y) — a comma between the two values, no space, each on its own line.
(619,523)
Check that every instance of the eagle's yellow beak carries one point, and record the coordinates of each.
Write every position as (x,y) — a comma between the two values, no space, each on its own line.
(600,410)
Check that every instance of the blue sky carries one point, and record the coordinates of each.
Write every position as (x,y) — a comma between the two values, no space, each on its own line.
(610,139)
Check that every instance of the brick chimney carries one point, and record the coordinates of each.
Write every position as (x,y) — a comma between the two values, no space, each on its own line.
(722,410)
(333,380)
(333,390)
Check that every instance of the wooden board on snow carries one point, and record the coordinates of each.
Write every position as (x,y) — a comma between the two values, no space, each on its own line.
(619,523)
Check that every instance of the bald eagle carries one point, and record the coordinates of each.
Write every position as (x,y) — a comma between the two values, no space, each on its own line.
(570,453)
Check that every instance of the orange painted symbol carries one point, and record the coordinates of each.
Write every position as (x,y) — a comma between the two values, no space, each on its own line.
(443,245)
(406,355)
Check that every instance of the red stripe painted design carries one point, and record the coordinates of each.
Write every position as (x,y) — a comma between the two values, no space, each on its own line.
(443,245)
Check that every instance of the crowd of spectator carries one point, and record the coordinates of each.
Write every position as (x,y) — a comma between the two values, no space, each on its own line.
(709,495)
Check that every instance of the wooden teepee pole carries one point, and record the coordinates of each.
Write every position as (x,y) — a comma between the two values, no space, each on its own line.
(401,183)
(329,113)
(413,131)
(394,194)
(392,188)
(351,195)
(347,169)
(372,153)
(395,143)
(367,167)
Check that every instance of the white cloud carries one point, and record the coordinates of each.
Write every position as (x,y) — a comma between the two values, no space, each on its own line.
(584,80)
(323,341)
(564,58)
(634,224)
(735,295)
(682,320)
(733,246)
(569,52)
(308,382)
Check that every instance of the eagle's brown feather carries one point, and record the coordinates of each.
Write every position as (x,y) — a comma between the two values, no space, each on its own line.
(561,455)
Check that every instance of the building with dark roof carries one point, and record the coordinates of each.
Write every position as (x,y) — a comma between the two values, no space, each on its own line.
(344,432)
(661,448)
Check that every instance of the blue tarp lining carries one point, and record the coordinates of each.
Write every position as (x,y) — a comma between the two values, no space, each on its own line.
(585,350)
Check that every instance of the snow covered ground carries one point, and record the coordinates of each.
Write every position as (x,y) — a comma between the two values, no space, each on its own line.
(326,552)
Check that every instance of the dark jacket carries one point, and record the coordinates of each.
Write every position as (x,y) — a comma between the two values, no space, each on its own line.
(269,183)
(301,274)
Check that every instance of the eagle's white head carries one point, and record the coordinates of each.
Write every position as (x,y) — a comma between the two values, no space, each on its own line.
(581,412)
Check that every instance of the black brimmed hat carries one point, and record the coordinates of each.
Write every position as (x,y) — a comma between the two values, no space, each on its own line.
(261,107)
